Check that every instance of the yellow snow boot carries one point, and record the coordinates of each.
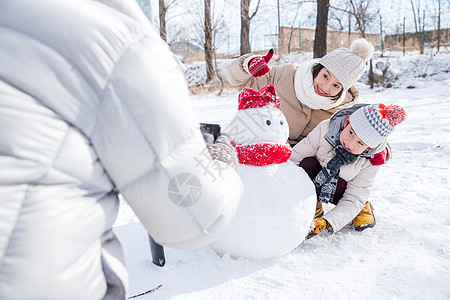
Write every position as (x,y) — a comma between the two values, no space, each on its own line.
(319,210)
(365,218)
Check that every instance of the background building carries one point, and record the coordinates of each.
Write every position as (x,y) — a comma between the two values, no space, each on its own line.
(302,39)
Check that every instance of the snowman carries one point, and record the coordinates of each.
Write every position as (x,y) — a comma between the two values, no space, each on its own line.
(279,201)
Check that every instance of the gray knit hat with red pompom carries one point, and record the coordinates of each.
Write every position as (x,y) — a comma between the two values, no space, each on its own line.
(348,65)
(373,123)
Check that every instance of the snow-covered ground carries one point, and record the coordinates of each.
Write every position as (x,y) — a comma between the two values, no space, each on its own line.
(405,256)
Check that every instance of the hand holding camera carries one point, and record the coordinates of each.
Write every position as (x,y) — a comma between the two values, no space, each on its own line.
(219,145)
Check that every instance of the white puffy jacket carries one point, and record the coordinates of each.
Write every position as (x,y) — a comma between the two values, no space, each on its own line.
(93,103)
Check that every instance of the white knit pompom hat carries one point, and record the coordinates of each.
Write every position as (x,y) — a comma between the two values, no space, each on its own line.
(348,65)
(373,123)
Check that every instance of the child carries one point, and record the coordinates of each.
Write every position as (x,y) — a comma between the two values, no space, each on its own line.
(342,156)
(311,92)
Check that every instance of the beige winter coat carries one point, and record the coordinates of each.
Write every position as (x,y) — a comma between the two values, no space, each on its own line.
(360,175)
(301,118)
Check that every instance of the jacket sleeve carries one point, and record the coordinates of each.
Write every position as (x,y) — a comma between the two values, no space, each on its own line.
(355,197)
(239,77)
(309,145)
(149,142)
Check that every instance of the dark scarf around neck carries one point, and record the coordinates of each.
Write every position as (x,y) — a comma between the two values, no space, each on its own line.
(327,178)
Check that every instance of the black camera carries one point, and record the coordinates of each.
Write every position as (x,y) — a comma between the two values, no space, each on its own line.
(213,129)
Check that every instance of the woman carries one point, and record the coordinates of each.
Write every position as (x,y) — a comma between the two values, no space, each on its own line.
(311,92)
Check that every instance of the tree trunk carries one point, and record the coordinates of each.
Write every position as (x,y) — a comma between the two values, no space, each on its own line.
(162,19)
(417,25)
(208,42)
(291,33)
(371,74)
(439,28)
(279,26)
(245,27)
(320,39)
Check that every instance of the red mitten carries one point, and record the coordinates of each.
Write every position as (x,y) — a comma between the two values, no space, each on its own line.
(379,158)
(258,65)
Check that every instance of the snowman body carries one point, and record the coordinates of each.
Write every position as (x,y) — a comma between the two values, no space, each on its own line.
(279,200)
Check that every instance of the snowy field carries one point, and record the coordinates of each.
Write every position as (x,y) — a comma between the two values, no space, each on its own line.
(405,256)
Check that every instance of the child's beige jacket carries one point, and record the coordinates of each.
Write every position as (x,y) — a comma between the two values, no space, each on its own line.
(360,175)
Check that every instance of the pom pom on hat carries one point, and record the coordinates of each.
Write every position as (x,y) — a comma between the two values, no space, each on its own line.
(362,48)
(395,114)
(373,123)
(348,65)
(249,98)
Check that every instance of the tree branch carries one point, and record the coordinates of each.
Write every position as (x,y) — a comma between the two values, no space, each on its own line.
(341,9)
(256,10)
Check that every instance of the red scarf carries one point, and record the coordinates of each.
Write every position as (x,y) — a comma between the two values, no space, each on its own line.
(262,154)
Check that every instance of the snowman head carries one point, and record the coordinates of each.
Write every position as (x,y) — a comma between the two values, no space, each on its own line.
(259,118)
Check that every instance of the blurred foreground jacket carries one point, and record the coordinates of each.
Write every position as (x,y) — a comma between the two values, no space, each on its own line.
(92,104)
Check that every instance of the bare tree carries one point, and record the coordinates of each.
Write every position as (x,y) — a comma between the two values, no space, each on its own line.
(208,42)
(439,26)
(245,25)
(338,15)
(208,24)
(176,33)
(279,24)
(164,6)
(320,38)
(296,6)
(336,18)
(162,19)
(364,16)
(417,22)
